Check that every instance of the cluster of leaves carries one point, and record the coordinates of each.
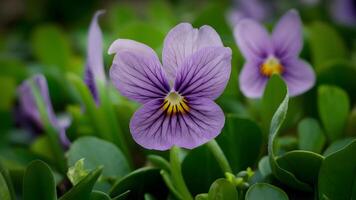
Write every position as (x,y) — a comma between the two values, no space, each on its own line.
(277,148)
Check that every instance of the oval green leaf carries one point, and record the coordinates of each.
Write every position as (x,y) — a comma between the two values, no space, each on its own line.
(222,189)
(337,177)
(266,192)
(38,182)
(333,100)
(311,136)
(97,152)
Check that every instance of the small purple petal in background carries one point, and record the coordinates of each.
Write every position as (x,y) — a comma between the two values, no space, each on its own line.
(258,10)
(278,54)
(29,107)
(287,43)
(185,115)
(344,11)
(253,40)
(94,69)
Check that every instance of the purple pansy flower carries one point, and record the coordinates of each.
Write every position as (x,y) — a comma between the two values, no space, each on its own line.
(178,96)
(94,69)
(29,107)
(266,55)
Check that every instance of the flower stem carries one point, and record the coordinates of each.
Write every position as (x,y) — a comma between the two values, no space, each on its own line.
(177,176)
(219,156)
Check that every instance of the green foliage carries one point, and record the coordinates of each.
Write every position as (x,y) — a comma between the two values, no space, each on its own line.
(97,152)
(82,191)
(39,182)
(221,189)
(338,174)
(240,134)
(334,106)
(265,191)
(311,136)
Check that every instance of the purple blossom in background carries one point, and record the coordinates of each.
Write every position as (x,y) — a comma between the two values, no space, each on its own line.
(94,69)
(178,96)
(29,107)
(258,10)
(266,55)
(344,11)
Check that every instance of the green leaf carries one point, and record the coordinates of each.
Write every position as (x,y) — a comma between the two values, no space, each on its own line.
(272,97)
(82,191)
(311,136)
(123,196)
(159,162)
(341,74)
(264,166)
(97,152)
(326,44)
(139,182)
(337,177)
(266,192)
(149,197)
(8,91)
(97,195)
(240,134)
(51,47)
(334,106)
(4,190)
(6,187)
(279,172)
(304,165)
(39,182)
(199,179)
(77,172)
(338,145)
(203,196)
(222,189)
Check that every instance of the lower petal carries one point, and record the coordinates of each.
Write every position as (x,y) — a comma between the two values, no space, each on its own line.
(152,128)
(299,77)
(252,82)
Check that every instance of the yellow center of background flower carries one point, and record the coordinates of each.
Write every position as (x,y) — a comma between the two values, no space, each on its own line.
(175,103)
(271,66)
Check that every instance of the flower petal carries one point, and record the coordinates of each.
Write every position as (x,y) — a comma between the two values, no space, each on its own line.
(28,104)
(153,129)
(182,41)
(287,36)
(95,61)
(138,76)
(299,76)
(252,82)
(121,45)
(253,40)
(205,73)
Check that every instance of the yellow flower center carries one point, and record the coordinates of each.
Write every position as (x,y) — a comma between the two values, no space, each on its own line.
(175,103)
(271,66)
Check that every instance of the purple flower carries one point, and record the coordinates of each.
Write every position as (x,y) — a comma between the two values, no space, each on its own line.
(254,9)
(266,55)
(178,96)
(29,107)
(94,69)
(344,11)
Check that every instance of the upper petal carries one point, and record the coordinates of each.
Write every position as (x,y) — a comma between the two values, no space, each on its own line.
(299,76)
(121,45)
(154,129)
(138,76)
(287,36)
(95,63)
(252,82)
(253,40)
(182,41)
(205,73)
